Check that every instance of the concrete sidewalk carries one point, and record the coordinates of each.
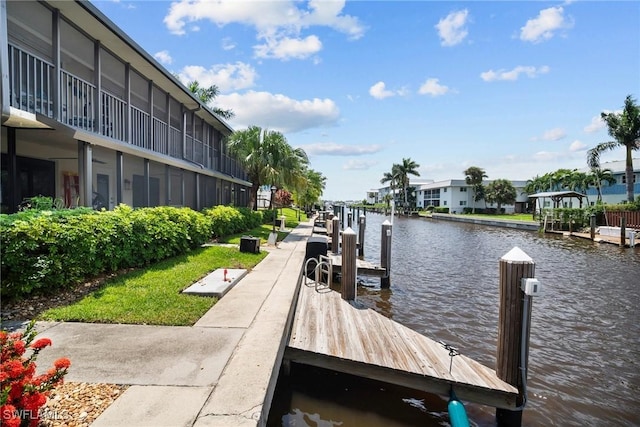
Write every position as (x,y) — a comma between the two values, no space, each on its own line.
(220,372)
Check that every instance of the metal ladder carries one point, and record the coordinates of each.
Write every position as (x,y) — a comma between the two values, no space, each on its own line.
(323,269)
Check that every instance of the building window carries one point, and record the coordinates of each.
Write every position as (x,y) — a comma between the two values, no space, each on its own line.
(463,189)
(444,190)
(463,203)
(445,203)
(624,178)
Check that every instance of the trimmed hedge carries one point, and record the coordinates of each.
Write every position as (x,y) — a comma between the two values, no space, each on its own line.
(46,250)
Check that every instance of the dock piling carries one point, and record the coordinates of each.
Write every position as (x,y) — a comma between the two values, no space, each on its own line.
(350,219)
(514,266)
(623,231)
(361,227)
(349,267)
(385,254)
(592,226)
(335,235)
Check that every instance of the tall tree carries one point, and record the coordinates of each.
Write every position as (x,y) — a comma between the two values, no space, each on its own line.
(207,95)
(598,177)
(393,178)
(473,177)
(267,158)
(501,192)
(624,128)
(404,169)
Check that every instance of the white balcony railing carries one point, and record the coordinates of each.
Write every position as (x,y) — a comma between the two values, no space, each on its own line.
(77,100)
(31,88)
(30,82)
(140,130)
(114,113)
(160,137)
(175,142)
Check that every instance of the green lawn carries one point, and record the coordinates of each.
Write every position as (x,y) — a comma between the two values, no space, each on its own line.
(151,296)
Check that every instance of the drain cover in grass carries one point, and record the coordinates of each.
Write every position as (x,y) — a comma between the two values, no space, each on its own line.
(214,284)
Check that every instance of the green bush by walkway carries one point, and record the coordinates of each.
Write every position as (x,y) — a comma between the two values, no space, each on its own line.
(45,250)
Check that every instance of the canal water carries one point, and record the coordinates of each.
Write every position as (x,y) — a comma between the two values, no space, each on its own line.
(584,361)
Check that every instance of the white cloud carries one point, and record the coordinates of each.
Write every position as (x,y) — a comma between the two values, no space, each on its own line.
(544,25)
(279,112)
(379,91)
(529,71)
(163,56)
(225,76)
(452,29)
(577,146)
(597,123)
(278,24)
(333,149)
(358,164)
(286,48)
(228,44)
(554,134)
(433,87)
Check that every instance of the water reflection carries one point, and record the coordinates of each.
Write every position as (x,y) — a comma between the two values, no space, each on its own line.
(585,336)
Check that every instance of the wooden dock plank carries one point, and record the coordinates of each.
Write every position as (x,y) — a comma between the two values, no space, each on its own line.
(364,268)
(344,336)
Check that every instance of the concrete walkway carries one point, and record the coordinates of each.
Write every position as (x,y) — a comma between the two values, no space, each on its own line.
(220,372)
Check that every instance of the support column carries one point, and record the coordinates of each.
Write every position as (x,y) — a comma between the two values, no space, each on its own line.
(119,176)
(12,171)
(85,169)
(147,174)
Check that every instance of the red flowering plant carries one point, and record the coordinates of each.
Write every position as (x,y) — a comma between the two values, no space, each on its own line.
(22,393)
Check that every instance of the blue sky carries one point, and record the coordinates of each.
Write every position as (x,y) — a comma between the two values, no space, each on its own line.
(515,88)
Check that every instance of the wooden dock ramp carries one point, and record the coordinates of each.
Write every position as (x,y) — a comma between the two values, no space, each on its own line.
(343,336)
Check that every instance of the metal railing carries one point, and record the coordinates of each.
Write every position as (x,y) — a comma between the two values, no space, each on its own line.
(77,100)
(114,117)
(140,128)
(160,136)
(30,82)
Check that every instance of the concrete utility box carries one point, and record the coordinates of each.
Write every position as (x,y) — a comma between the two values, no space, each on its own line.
(250,244)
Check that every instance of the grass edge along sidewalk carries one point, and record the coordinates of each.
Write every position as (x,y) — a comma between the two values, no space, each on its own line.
(152,295)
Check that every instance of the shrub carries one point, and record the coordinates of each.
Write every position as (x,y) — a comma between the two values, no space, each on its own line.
(23,393)
(440,209)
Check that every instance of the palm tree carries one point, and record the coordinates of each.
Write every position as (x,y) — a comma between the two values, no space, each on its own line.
(598,176)
(207,95)
(624,128)
(404,169)
(393,178)
(474,176)
(267,158)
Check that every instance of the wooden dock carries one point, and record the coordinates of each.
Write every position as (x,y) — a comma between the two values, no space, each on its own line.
(363,267)
(343,336)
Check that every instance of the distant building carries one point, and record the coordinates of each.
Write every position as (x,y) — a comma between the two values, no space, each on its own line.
(616,193)
(457,195)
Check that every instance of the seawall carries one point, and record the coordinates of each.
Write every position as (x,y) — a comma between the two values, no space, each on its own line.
(520,225)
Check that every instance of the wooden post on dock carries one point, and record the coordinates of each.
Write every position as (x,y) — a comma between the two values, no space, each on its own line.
(623,231)
(349,266)
(385,254)
(335,235)
(592,225)
(350,220)
(361,227)
(514,266)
